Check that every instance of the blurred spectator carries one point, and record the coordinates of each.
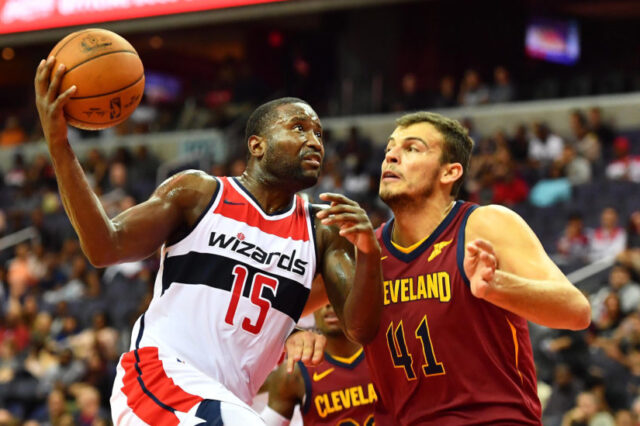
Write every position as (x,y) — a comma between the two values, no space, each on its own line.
(587,142)
(20,275)
(573,246)
(565,389)
(89,411)
(620,284)
(588,412)
(13,134)
(551,190)
(575,167)
(508,188)
(609,239)
(73,289)
(624,165)
(544,145)
(603,131)
(502,89)
(631,255)
(55,409)
(446,97)
(472,91)
(624,418)
(409,98)
(519,145)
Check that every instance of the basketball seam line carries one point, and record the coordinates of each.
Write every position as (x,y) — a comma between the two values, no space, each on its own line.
(69,41)
(109,93)
(99,56)
(69,116)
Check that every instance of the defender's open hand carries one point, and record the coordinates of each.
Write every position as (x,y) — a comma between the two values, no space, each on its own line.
(352,220)
(304,346)
(480,264)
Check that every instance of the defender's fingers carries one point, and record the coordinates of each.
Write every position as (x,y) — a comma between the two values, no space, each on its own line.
(337,208)
(318,349)
(484,245)
(342,218)
(336,198)
(307,350)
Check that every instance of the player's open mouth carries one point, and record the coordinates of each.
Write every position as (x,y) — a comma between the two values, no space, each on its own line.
(331,318)
(312,159)
(388,175)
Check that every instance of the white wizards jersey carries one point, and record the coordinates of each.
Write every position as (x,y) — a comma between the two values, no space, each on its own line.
(229,294)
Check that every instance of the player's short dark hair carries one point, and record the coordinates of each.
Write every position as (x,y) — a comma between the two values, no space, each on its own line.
(262,116)
(457,144)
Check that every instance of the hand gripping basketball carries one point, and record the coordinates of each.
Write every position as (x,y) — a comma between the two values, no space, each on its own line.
(50,102)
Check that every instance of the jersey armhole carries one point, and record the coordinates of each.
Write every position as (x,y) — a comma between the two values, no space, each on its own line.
(213,202)
(313,235)
(306,402)
(461,244)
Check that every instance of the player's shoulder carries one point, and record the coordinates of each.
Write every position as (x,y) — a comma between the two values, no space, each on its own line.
(492,219)
(189,180)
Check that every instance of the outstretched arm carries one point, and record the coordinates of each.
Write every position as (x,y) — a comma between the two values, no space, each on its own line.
(507,266)
(137,232)
(353,278)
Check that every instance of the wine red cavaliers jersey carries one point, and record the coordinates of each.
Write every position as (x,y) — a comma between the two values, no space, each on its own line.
(441,355)
(338,392)
(228,294)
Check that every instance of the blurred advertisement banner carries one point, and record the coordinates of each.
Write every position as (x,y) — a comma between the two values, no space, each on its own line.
(29,15)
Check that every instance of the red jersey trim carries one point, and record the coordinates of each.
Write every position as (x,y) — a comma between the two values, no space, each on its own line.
(237,204)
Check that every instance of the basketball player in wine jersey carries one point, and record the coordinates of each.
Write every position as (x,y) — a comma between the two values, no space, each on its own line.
(460,283)
(338,391)
(239,255)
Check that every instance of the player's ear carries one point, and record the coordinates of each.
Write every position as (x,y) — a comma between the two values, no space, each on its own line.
(257,146)
(452,172)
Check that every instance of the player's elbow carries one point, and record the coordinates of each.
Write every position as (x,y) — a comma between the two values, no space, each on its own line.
(581,315)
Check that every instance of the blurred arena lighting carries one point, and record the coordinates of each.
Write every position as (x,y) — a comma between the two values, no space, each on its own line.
(156,42)
(8,53)
(32,21)
(30,15)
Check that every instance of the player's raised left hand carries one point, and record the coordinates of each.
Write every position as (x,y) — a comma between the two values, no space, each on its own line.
(352,220)
(304,346)
(50,102)
(480,264)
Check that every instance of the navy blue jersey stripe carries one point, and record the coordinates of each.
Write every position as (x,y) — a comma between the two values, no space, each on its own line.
(409,257)
(461,244)
(217,271)
(307,388)
(144,387)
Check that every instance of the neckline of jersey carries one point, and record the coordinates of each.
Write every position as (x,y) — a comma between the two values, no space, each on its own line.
(428,242)
(279,214)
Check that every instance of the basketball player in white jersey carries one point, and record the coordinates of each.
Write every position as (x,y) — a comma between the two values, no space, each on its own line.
(239,255)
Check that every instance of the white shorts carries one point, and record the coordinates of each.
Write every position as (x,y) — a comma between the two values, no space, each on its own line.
(159,391)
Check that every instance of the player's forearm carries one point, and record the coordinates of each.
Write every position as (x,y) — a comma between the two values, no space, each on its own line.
(363,306)
(81,204)
(548,303)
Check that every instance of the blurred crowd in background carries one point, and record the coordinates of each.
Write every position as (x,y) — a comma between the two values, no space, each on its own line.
(64,323)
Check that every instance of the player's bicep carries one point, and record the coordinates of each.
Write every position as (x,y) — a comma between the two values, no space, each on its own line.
(143,228)
(517,248)
(338,273)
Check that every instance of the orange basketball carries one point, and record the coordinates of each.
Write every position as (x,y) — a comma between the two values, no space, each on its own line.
(108,75)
